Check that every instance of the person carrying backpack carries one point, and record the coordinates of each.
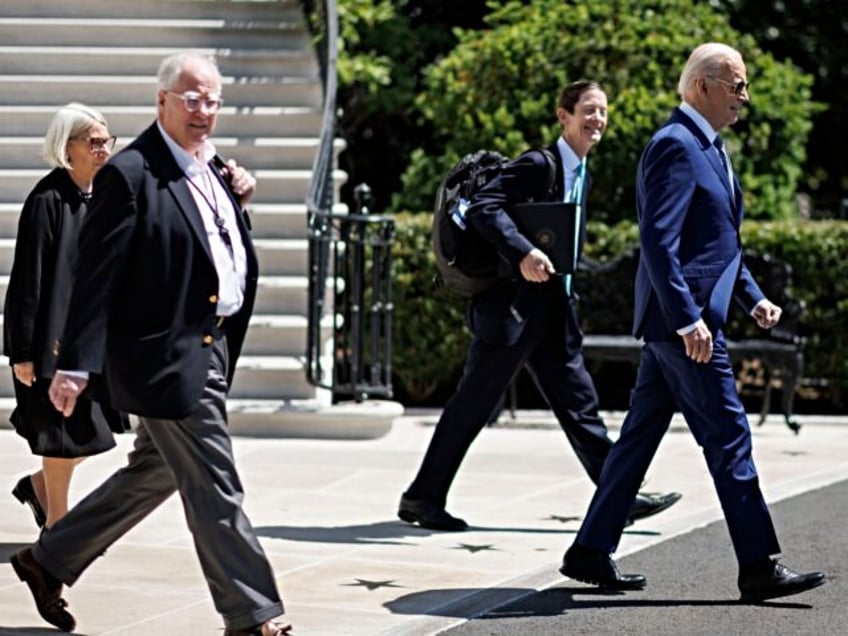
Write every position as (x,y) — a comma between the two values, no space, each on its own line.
(526,320)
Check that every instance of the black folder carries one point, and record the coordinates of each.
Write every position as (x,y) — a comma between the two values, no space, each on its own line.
(552,227)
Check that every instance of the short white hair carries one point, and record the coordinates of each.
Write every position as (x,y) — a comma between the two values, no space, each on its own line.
(172,67)
(72,120)
(707,60)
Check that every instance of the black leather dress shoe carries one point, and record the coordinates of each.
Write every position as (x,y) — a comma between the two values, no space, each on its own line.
(270,628)
(647,504)
(25,493)
(772,580)
(428,515)
(596,568)
(46,590)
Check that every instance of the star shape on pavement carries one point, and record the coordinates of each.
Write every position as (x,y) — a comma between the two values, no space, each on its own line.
(474,548)
(372,585)
(562,519)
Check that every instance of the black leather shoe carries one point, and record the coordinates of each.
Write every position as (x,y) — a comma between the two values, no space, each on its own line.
(596,568)
(647,504)
(270,628)
(46,590)
(772,580)
(428,515)
(25,493)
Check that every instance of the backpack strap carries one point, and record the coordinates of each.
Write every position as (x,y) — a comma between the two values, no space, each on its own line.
(550,179)
(550,182)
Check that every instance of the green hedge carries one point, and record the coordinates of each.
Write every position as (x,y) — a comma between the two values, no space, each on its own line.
(430,339)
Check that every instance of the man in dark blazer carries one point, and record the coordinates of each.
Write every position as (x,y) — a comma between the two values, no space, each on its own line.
(527,321)
(690,209)
(165,284)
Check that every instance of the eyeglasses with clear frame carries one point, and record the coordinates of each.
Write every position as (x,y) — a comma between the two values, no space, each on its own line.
(737,87)
(193,102)
(98,143)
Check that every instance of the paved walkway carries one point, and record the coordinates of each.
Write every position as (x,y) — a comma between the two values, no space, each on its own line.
(325,513)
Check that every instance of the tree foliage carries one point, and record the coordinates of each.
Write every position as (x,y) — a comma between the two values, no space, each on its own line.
(497,88)
(814,35)
(384,46)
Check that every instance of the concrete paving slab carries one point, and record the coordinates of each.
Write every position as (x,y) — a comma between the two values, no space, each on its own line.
(325,513)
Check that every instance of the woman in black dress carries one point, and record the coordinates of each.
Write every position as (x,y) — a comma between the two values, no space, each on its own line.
(76,145)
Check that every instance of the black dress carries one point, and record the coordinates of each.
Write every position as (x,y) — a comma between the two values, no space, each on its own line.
(34,316)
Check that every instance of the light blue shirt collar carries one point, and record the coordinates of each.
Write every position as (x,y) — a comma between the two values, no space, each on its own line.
(699,120)
(570,161)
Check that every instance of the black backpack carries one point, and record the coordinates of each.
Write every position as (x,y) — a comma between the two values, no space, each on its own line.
(467,263)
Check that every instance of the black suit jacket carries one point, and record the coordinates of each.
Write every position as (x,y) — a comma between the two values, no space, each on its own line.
(499,315)
(144,302)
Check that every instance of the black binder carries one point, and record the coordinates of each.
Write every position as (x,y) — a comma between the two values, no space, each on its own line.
(550,226)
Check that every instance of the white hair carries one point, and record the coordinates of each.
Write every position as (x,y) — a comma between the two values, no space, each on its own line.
(707,60)
(69,121)
(173,66)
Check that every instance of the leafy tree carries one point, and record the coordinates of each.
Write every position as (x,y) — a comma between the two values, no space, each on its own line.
(497,88)
(384,45)
(814,35)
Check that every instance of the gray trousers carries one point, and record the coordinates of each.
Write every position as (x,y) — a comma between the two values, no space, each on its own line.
(193,456)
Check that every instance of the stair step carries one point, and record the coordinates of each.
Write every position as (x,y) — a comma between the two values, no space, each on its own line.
(274,294)
(134,90)
(275,186)
(287,153)
(280,335)
(255,9)
(266,377)
(272,335)
(257,377)
(190,33)
(124,61)
(269,220)
(128,121)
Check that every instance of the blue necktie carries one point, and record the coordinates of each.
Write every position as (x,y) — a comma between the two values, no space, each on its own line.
(725,160)
(575,195)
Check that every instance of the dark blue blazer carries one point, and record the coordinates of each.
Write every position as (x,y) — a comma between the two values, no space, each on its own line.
(499,315)
(690,264)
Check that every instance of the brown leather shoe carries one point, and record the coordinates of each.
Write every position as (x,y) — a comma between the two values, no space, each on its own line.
(270,628)
(46,590)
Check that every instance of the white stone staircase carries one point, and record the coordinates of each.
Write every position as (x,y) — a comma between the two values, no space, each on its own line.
(105,53)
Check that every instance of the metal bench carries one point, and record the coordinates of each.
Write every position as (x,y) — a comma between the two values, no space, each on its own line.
(606,296)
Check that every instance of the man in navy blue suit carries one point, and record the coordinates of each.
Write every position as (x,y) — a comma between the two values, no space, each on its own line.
(689,206)
(527,320)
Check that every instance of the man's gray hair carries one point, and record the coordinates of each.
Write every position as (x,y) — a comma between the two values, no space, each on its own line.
(72,120)
(707,60)
(172,66)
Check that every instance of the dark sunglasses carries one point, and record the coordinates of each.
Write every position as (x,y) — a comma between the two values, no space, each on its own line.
(737,87)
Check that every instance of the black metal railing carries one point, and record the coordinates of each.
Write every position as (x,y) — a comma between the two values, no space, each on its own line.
(350,287)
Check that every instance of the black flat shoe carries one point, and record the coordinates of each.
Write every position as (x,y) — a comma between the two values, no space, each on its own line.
(25,493)
(771,579)
(596,568)
(428,515)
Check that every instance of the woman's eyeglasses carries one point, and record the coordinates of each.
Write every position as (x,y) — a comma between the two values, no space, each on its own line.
(98,143)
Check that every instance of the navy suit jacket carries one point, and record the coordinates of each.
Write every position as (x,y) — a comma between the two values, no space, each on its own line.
(500,314)
(690,264)
(143,306)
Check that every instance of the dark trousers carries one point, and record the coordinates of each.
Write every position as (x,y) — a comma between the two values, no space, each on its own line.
(549,347)
(668,381)
(193,456)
